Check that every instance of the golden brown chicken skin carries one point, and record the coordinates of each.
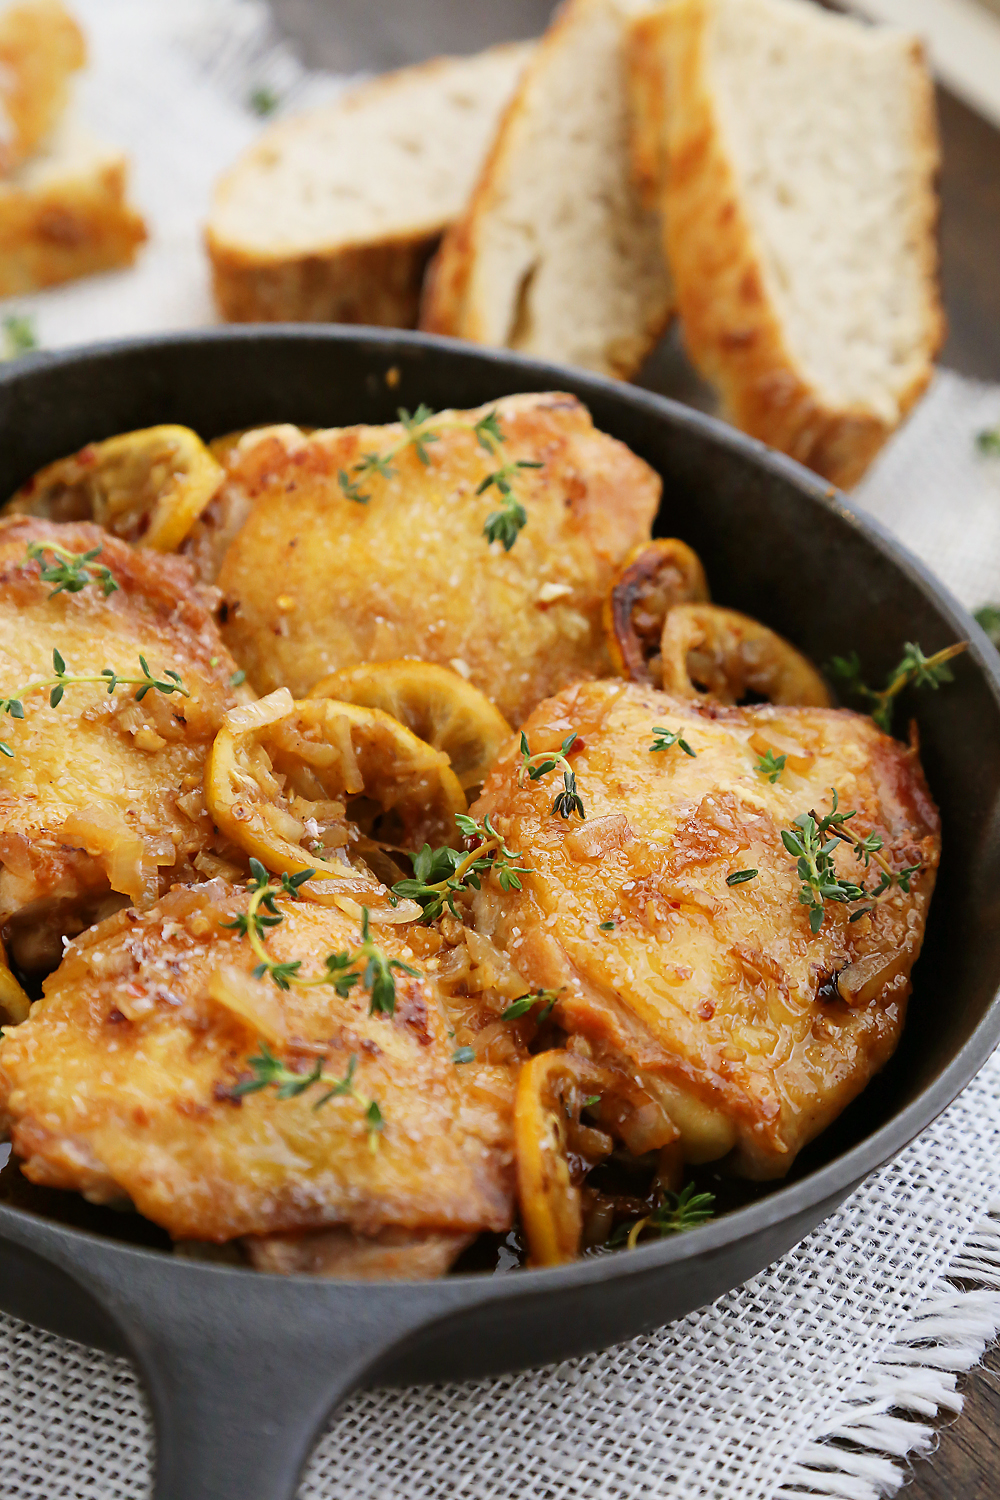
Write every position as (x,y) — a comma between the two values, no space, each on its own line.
(120,1084)
(753,1030)
(314,581)
(102,793)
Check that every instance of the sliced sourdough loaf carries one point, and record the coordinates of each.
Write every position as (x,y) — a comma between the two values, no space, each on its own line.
(555,255)
(795,155)
(64,213)
(332,215)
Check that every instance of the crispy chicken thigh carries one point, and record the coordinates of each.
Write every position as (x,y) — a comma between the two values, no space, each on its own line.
(120,1084)
(101,793)
(752,1030)
(314,580)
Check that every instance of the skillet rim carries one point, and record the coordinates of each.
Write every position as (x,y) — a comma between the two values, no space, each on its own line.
(830,1182)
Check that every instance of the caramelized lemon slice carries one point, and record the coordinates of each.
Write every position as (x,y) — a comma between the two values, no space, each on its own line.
(147,487)
(653,578)
(308,785)
(14,1003)
(708,652)
(438,705)
(551,1088)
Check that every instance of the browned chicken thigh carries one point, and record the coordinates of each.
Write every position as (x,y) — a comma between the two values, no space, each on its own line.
(326,560)
(128,1082)
(669,918)
(100,792)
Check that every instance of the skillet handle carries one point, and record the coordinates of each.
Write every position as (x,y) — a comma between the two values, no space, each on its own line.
(243,1369)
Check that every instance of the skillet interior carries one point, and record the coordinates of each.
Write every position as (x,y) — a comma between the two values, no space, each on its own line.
(777,543)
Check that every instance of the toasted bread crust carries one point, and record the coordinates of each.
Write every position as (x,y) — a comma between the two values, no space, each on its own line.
(60,230)
(445,306)
(732,328)
(378,284)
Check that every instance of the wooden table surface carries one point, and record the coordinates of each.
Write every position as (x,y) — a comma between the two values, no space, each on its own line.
(355,34)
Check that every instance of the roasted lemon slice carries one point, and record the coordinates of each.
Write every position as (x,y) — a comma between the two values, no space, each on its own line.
(551,1089)
(708,652)
(308,785)
(437,705)
(14,1003)
(653,578)
(147,487)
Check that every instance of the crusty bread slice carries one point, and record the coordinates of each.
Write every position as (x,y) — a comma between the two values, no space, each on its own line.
(797,162)
(333,215)
(64,214)
(41,46)
(555,254)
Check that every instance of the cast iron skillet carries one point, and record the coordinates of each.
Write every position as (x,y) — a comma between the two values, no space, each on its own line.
(241,1368)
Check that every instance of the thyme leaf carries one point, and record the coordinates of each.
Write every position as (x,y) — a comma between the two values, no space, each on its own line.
(989,618)
(19,336)
(539,764)
(263,101)
(988,441)
(268,1071)
(913,670)
(665,739)
(62,679)
(70,571)
(439,874)
(521,1006)
(675,1213)
(771,765)
(812,841)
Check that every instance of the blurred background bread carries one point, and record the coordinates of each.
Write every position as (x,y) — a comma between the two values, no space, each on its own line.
(332,215)
(555,254)
(794,157)
(64,210)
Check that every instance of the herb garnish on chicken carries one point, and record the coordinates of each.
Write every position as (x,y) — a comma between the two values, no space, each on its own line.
(62,679)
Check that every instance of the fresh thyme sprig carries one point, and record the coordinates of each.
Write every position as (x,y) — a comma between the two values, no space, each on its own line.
(816,870)
(438,874)
(19,336)
(914,670)
(371,464)
(989,618)
(270,1072)
(261,913)
(62,679)
(70,571)
(675,1213)
(263,100)
(417,431)
(568,801)
(366,965)
(521,1006)
(771,765)
(820,881)
(503,525)
(988,441)
(664,739)
(506,524)
(377,974)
